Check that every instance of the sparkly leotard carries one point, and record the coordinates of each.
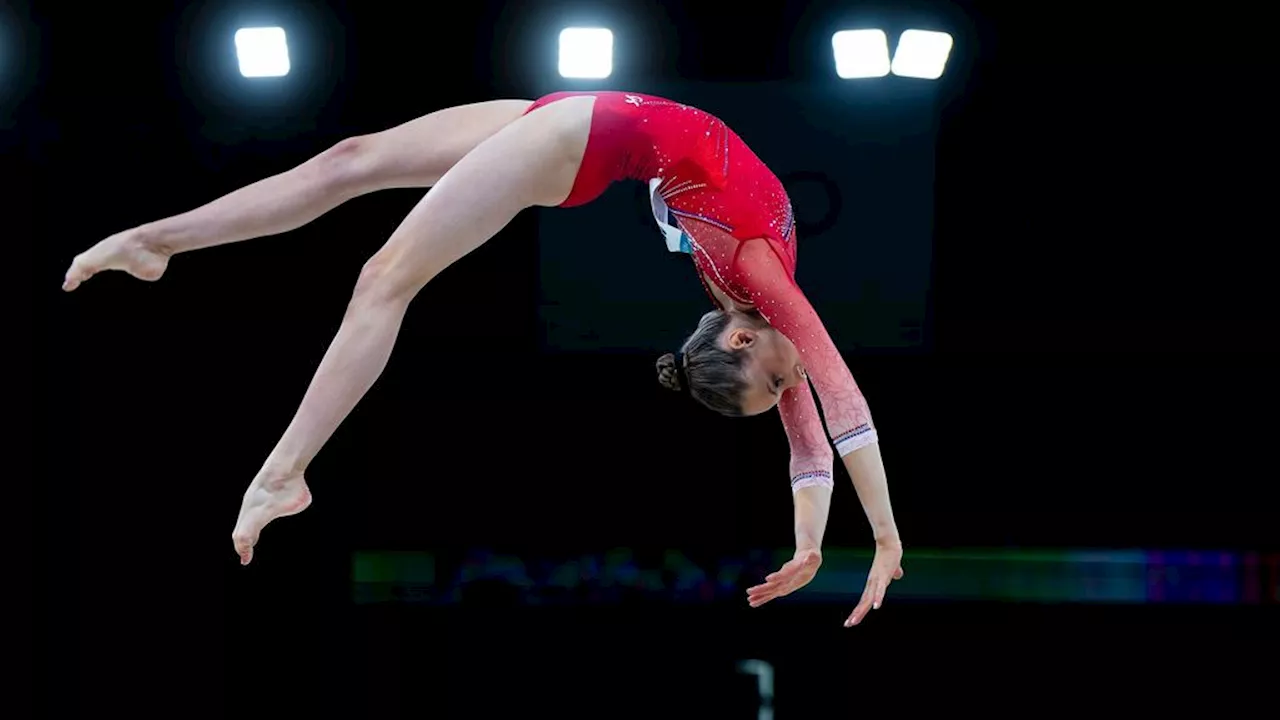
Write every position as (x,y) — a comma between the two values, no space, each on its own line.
(716,200)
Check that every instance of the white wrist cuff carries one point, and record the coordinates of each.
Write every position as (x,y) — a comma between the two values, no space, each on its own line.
(855,439)
(818,478)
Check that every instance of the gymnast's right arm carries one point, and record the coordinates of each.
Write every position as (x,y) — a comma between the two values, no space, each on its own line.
(811,461)
(811,487)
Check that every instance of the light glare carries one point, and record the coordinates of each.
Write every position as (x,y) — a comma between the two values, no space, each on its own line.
(263,52)
(586,53)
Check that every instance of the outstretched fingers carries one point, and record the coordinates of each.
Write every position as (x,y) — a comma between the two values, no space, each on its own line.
(792,576)
(872,596)
(864,605)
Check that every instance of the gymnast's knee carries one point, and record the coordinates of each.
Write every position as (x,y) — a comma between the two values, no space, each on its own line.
(348,167)
(385,282)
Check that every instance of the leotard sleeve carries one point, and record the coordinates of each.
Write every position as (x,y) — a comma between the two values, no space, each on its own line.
(811,456)
(763,277)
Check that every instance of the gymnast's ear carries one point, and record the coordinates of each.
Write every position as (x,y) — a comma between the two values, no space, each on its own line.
(741,338)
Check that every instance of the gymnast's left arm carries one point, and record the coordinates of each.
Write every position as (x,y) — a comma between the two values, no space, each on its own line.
(849,424)
(866,468)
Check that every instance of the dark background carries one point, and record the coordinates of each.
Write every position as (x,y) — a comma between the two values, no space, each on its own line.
(1059,305)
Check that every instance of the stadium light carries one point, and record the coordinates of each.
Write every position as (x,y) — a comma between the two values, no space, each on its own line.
(921,54)
(861,53)
(586,53)
(262,51)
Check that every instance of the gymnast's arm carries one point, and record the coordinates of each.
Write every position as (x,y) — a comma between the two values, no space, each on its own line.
(849,423)
(866,468)
(811,493)
(811,462)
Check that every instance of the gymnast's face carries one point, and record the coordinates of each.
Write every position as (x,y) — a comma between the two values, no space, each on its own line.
(773,365)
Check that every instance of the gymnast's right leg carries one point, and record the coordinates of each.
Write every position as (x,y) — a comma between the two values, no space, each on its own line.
(532,162)
(415,154)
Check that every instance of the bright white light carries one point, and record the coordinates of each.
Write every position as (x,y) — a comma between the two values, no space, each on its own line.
(861,53)
(586,53)
(263,52)
(921,54)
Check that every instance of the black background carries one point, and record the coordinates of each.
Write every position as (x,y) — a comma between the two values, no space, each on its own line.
(1094,368)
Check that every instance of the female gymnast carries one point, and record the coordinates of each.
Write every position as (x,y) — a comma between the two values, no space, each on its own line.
(484,163)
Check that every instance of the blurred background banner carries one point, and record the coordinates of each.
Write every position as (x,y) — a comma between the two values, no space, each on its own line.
(1044,254)
(1009,576)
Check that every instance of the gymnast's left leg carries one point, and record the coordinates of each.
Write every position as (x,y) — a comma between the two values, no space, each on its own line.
(410,155)
(532,161)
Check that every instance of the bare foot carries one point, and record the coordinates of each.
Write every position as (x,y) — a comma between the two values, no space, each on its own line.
(126,251)
(264,501)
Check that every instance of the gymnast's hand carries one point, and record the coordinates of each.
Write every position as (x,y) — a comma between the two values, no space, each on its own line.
(885,568)
(795,574)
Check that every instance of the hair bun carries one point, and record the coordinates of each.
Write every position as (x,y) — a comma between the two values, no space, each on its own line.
(668,377)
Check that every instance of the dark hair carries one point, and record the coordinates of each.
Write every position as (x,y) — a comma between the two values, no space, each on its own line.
(714,374)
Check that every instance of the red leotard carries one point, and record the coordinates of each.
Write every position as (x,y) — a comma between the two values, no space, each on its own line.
(741,233)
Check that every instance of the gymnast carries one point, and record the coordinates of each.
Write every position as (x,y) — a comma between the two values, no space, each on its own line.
(712,198)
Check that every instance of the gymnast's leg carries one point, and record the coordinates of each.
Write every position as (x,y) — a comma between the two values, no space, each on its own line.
(414,154)
(532,161)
